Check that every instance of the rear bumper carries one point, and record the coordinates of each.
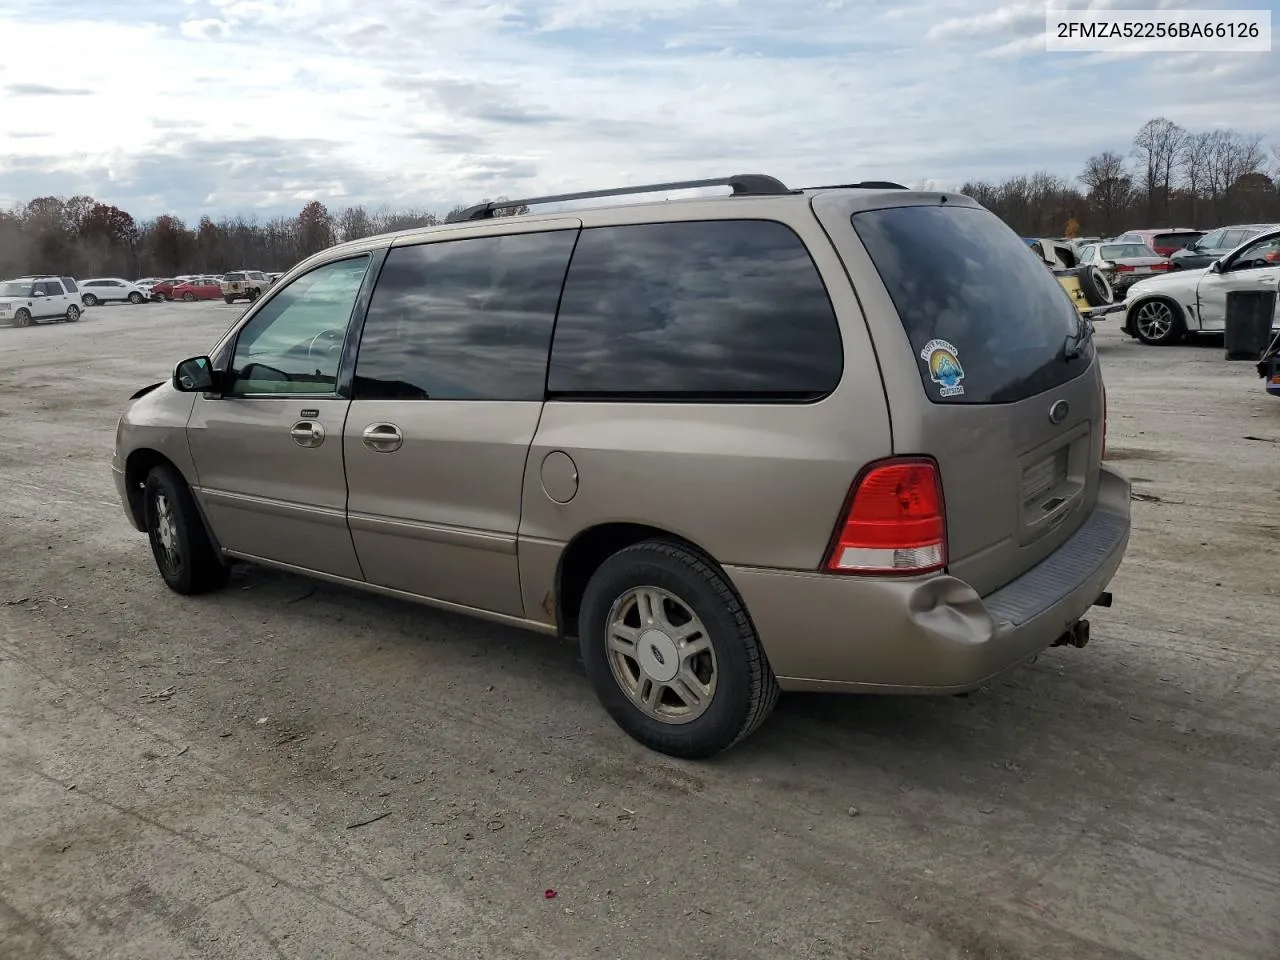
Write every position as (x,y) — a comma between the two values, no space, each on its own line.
(931,634)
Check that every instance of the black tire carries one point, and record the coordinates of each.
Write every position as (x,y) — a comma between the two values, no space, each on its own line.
(254,295)
(229,299)
(745,688)
(135,298)
(1097,291)
(23,318)
(1157,323)
(188,297)
(160,297)
(73,313)
(188,564)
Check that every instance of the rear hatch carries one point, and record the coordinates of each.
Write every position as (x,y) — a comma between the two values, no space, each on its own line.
(234,283)
(1005,394)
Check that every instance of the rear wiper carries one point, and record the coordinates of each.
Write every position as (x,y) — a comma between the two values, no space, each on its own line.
(1074,348)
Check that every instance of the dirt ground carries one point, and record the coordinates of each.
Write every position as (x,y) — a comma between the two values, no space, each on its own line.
(194,778)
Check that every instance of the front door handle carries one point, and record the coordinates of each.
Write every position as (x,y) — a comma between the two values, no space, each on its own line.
(307,433)
(383,437)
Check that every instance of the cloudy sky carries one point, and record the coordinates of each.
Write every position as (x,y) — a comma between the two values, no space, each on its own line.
(256,106)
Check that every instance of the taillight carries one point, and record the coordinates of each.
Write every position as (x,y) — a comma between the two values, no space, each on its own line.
(1160,266)
(895,523)
(1124,268)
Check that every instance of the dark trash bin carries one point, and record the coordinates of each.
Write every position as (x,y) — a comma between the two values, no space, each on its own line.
(1250,314)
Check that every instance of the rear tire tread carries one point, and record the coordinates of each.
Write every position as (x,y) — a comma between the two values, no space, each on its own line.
(762,685)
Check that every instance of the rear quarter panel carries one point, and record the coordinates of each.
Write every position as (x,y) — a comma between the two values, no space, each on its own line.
(751,484)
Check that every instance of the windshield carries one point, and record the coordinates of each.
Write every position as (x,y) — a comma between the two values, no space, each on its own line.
(987,322)
(11,288)
(1119,251)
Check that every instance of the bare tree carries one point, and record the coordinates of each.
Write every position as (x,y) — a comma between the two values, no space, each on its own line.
(1110,187)
(1194,159)
(1157,147)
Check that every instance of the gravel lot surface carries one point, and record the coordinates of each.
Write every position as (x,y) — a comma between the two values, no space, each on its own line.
(196,778)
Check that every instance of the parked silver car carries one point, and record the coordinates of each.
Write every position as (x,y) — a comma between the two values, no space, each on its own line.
(1124,264)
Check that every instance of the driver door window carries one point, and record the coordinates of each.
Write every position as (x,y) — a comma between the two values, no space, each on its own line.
(293,345)
(1260,255)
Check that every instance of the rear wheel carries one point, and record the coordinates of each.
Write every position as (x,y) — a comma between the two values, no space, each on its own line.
(90,300)
(229,299)
(1158,323)
(23,318)
(135,297)
(179,543)
(73,313)
(188,297)
(671,652)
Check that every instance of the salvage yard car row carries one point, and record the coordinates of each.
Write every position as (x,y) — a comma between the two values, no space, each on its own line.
(44,298)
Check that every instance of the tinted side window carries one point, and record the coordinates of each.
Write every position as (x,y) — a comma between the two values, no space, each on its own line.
(51,288)
(464,319)
(722,309)
(70,285)
(997,339)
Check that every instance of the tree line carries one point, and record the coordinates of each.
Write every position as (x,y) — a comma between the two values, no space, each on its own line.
(1168,177)
(82,237)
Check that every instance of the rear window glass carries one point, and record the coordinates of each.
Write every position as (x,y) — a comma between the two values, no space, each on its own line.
(700,310)
(1119,251)
(232,277)
(987,320)
(70,285)
(1175,240)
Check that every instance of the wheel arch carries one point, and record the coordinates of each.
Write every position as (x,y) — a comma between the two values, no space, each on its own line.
(1132,309)
(591,547)
(137,466)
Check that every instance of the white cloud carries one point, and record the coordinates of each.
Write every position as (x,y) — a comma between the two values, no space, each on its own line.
(244,105)
(206,29)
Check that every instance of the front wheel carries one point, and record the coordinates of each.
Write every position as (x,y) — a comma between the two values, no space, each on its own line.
(73,313)
(179,543)
(1158,323)
(23,318)
(188,297)
(671,652)
(90,300)
(254,295)
(135,298)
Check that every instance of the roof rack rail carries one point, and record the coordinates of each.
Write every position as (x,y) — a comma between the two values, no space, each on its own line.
(863,185)
(743,185)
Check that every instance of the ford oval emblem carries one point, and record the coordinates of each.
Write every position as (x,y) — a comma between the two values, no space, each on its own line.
(1059,411)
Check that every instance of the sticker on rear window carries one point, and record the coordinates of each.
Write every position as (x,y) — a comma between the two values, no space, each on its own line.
(944,367)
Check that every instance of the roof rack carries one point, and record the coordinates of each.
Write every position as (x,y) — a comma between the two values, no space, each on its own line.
(863,185)
(743,185)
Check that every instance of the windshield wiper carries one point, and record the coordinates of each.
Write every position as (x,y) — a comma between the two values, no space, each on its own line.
(1076,342)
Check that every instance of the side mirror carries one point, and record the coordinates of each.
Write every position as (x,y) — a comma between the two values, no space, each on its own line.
(194,375)
(1215,267)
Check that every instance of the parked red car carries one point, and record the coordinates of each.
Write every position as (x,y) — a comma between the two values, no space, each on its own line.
(1163,242)
(203,288)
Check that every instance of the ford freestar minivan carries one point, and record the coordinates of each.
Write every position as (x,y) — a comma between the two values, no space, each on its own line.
(836,439)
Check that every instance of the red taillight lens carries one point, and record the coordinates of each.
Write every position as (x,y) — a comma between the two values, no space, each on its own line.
(1160,266)
(895,523)
(1124,268)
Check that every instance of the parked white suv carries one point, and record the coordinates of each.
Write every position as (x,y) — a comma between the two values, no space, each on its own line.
(244,285)
(105,289)
(27,300)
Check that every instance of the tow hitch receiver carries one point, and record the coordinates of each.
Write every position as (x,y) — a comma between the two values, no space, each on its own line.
(1077,636)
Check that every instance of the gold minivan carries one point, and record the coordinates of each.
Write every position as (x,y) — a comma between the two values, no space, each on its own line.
(832,439)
